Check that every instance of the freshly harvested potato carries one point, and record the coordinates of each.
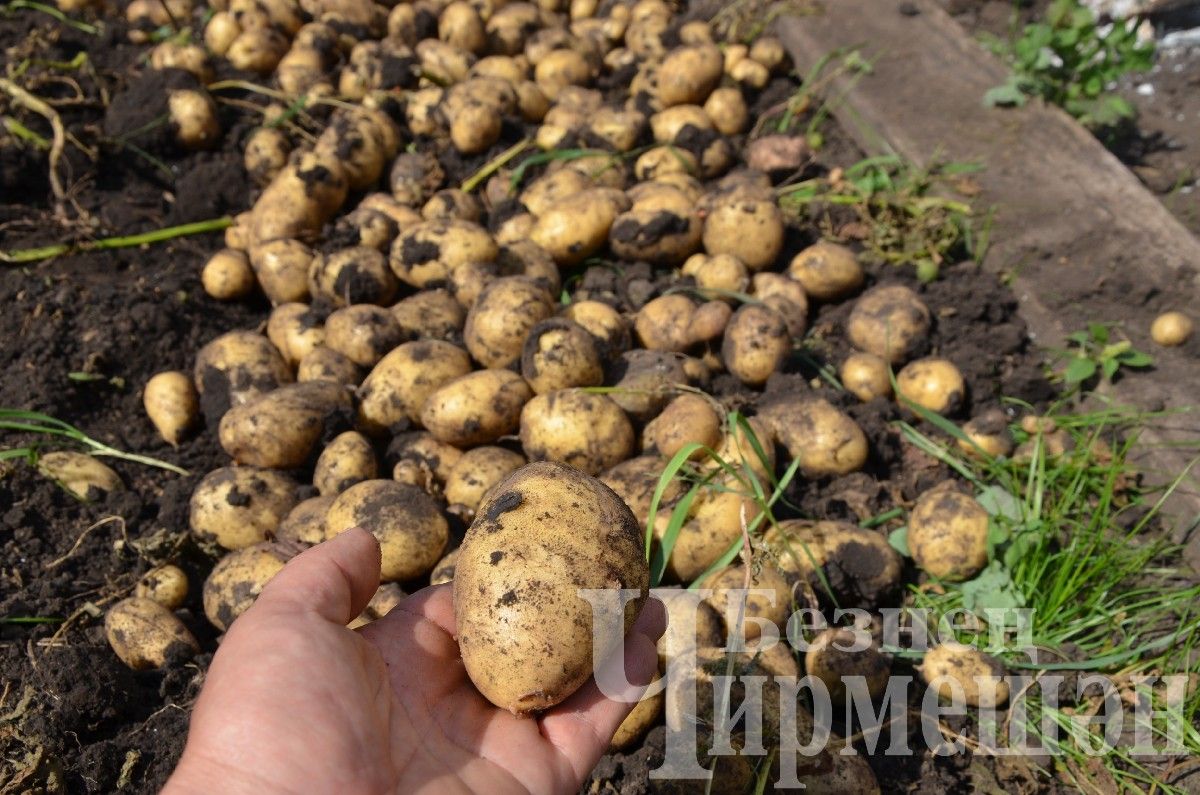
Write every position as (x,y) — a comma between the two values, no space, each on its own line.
(750,445)
(363,333)
(749,229)
(172,405)
(347,460)
(635,481)
(477,408)
(81,475)
(193,117)
(301,198)
(689,74)
(948,535)
(589,432)
(834,654)
(145,634)
(305,523)
(723,274)
(658,163)
(661,227)
(576,228)
(708,325)
(605,324)
(452,203)
(227,276)
(295,330)
(460,26)
(668,126)
(1171,328)
(786,297)
(266,154)
(236,507)
(714,522)
(756,343)
(422,460)
(430,314)
(280,430)
(235,368)
(987,434)
(514,564)
(726,107)
(842,563)
(932,383)
(751,73)
(397,388)
(476,472)
(166,584)
(281,268)
(411,530)
(866,376)
(238,579)
(502,318)
(644,716)
(688,419)
(220,32)
(552,188)
(559,354)
(663,324)
(774,606)
(326,364)
(889,321)
(443,572)
(645,381)
(827,271)
(425,255)
(358,275)
(825,439)
(415,177)
(963,672)
(257,50)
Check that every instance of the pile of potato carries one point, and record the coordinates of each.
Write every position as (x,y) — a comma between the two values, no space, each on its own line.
(428,356)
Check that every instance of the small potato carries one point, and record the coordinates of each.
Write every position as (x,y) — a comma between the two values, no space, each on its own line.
(266,154)
(750,230)
(635,481)
(502,318)
(347,460)
(689,74)
(193,116)
(305,523)
(236,368)
(422,460)
(387,597)
(81,475)
(228,276)
(220,32)
(1171,328)
(443,572)
(756,343)
(476,472)
(843,563)
(146,635)
(963,672)
(257,50)
(889,321)
(662,324)
(827,271)
(396,390)
(708,323)
(645,715)
(837,653)
(357,275)
(423,113)
(559,354)
(987,434)
(475,128)
(932,383)
(430,314)
(722,274)
(166,584)
(415,177)
(236,507)
(281,267)
(688,419)
(786,297)
(461,27)
(775,605)
(866,376)
(769,51)
(727,109)
(364,333)
(605,324)
(412,532)
(452,203)
(645,381)
(824,439)
(576,228)
(714,522)
(948,535)
(280,430)
(425,255)
(301,199)
(326,364)
(589,432)
(751,73)
(295,330)
(662,161)
(238,579)
(172,405)
(443,63)
(620,129)
(477,408)
(188,57)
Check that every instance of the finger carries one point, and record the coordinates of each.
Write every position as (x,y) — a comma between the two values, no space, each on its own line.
(435,603)
(334,579)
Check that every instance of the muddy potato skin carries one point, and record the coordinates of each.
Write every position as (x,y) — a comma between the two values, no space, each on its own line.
(363,333)
(404,379)
(280,430)
(749,229)
(604,323)
(963,664)
(546,531)
(357,275)
(234,369)
(689,74)
(326,364)
(828,658)
(239,506)
(663,324)
(84,476)
(559,354)
(687,419)
(430,314)
(166,584)
(237,580)
(889,321)
(932,383)
(502,318)
(477,471)
(756,343)
(411,530)
(347,460)
(172,404)
(758,605)
(987,434)
(827,271)
(948,535)
(477,408)
(586,431)
(859,565)
(146,635)
(634,480)
(426,255)
(826,440)
(305,523)
(866,376)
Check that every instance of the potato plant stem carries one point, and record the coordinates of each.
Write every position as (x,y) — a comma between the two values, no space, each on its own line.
(494,165)
(154,236)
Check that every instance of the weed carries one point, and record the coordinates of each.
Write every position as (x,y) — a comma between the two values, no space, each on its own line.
(35,422)
(124,241)
(1097,352)
(743,21)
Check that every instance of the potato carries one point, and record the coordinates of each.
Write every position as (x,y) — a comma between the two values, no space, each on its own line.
(831,658)
(751,73)
(576,228)
(422,460)
(635,481)
(146,635)
(948,535)
(688,419)
(750,448)
(424,115)
(889,321)
(305,523)
(559,354)
(427,254)
(443,572)
(326,364)
(509,27)
(727,109)
(228,276)
(266,154)
(188,57)
(786,297)
(237,580)
(357,275)
(645,381)
(412,532)
(550,189)
(172,405)
(281,267)
(774,606)
(825,439)
(661,228)
(363,333)
(987,434)
(295,330)
(362,141)
(347,460)
(690,625)
(475,473)
(443,63)
(932,383)
(866,376)
(661,161)
(751,230)
(769,51)
(239,506)
(689,74)
(663,323)
(398,386)
(79,474)
(644,716)
(415,177)
(452,203)
(589,432)
(220,32)
(387,597)
(721,274)
(859,566)
(477,408)
(430,314)
(461,27)
(280,430)
(756,343)
(193,117)
(502,318)
(605,324)
(301,198)
(979,677)
(525,635)
(827,271)
(1171,328)
(620,129)
(708,324)
(475,128)
(166,584)
(714,522)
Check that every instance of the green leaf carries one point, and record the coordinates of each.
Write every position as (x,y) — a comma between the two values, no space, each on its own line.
(1109,368)
(1099,332)
(992,588)
(898,538)
(1135,359)
(1008,94)
(1079,370)
(1000,503)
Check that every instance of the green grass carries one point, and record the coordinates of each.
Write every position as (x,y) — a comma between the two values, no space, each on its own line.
(43,425)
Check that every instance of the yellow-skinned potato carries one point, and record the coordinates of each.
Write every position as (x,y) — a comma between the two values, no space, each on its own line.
(364,333)
(295,330)
(387,597)
(948,535)
(326,364)
(835,653)
(769,51)
(979,676)
(452,203)
(476,472)
(423,460)
(238,579)
(559,354)
(281,267)
(166,584)
(605,324)
(932,383)
(586,431)
(1171,328)
(477,408)
(220,32)
(662,324)
(756,343)
(662,161)
(239,506)
(193,116)
(430,314)
(396,390)
(668,125)
(280,430)
(721,274)
(576,228)
(501,66)
(411,530)
(80,474)
(751,230)
(751,73)
(708,324)
(765,578)
(525,635)
(889,321)
(257,50)
(266,154)
(305,523)
(188,57)
(228,276)
(988,433)
(301,198)
(427,254)
(443,63)
(474,128)
(550,189)
(423,112)
(415,177)
(859,565)
(635,481)
(146,635)
(645,715)
(866,376)
(827,271)
(236,368)
(502,318)
(786,297)
(362,142)
(357,275)
(739,448)
(172,405)
(347,460)
(461,27)
(825,439)
(727,109)
(688,419)
(714,522)
(559,69)
(646,381)
(689,74)
(443,572)
(661,228)
(621,129)
(690,624)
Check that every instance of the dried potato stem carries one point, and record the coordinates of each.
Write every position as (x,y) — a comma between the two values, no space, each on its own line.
(23,97)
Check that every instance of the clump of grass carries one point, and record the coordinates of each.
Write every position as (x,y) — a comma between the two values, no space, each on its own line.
(43,425)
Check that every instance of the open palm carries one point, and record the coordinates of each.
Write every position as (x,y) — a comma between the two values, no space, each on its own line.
(295,702)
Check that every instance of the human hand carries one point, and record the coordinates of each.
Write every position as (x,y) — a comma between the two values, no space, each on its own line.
(296,702)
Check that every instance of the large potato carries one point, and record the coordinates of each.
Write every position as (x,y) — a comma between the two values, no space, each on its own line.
(834,655)
(576,228)
(827,271)
(889,321)
(775,605)
(749,229)
(280,430)
(604,323)
(234,369)
(426,255)
(144,634)
(411,530)
(357,275)
(240,506)
(825,439)
(525,634)
(560,354)
(477,408)
(841,562)
(713,524)
(689,74)
(948,535)
(661,227)
(756,343)
(501,319)
(396,390)
(301,198)
(237,580)
(589,432)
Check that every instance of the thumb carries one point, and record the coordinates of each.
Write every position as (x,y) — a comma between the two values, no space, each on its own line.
(335,579)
